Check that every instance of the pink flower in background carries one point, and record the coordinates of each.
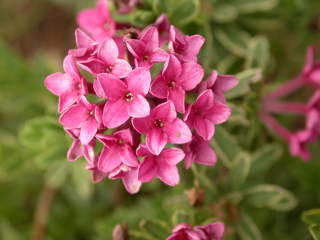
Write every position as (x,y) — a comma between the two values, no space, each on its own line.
(85,116)
(175,80)
(299,143)
(185,47)
(126,6)
(117,151)
(97,21)
(212,231)
(162,126)
(163,25)
(86,46)
(205,113)
(129,178)
(146,50)
(311,71)
(199,151)
(313,113)
(125,98)
(107,60)
(162,166)
(69,86)
(219,84)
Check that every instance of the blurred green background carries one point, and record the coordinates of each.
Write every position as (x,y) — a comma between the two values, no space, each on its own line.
(42,196)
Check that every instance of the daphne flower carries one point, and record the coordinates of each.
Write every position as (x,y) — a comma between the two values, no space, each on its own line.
(85,116)
(86,46)
(126,6)
(107,61)
(219,84)
(299,143)
(175,80)
(313,112)
(69,86)
(129,178)
(97,21)
(125,98)
(146,50)
(117,151)
(311,71)
(185,47)
(162,166)
(199,151)
(163,26)
(162,126)
(205,113)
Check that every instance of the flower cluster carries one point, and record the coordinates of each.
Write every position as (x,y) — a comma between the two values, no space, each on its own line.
(134,115)
(299,140)
(212,231)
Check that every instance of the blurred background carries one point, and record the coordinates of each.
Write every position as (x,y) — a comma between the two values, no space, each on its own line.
(42,196)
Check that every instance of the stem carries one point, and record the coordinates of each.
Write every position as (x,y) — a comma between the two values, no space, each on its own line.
(286,89)
(42,212)
(285,107)
(274,125)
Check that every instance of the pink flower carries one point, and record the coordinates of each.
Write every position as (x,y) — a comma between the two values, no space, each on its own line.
(97,21)
(129,178)
(299,142)
(175,80)
(162,166)
(212,231)
(126,6)
(69,86)
(117,151)
(85,45)
(311,71)
(146,50)
(107,61)
(163,26)
(185,47)
(313,113)
(219,84)
(125,98)
(199,151)
(85,116)
(162,126)
(205,113)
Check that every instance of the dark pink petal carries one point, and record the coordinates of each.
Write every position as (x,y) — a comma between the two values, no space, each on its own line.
(106,139)
(125,135)
(115,113)
(121,68)
(147,169)
(219,113)
(112,86)
(225,83)
(93,66)
(70,67)
(171,156)
(150,37)
(143,151)
(139,81)
(159,55)
(109,159)
(172,68)
(204,101)
(102,9)
(309,60)
(131,181)
(66,100)
(88,130)
(168,174)
(215,230)
(128,157)
(164,111)
(75,151)
(195,42)
(159,87)
(204,128)
(136,48)
(98,176)
(98,89)
(142,125)
(212,79)
(177,96)
(58,83)
(178,132)
(205,154)
(108,51)
(139,107)
(313,119)
(191,75)
(74,116)
(83,40)
(156,140)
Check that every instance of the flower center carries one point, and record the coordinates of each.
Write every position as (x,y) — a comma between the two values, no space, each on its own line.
(145,58)
(109,69)
(120,142)
(128,97)
(91,113)
(79,86)
(172,84)
(158,123)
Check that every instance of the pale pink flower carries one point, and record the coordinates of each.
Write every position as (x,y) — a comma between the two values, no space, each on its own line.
(175,79)
(85,116)
(162,166)
(162,126)
(125,98)
(107,61)
(86,46)
(199,151)
(185,47)
(97,21)
(146,50)
(69,86)
(129,177)
(205,113)
(117,151)
(219,84)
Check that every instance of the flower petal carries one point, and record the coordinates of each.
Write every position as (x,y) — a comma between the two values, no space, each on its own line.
(66,100)
(168,174)
(139,107)
(131,181)
(177,96)
(204,101)
(128,157)
(143,150)
(75,151)
(58,83)
(88,130)
(112,86)
(164,111)
(139,81)
(150,37)
(74,116)
(159,87)
(115,113)
(70,67)
(204,128)
(83,40)
(108,51)
(205,154)
(125,135)
(121,69)
(159,55)
(191,75)
(172,68)
(219,113)
(136,48)
(171,156)
(110,158)
(93,66)
(141,125)
(156,140)
(178,132)
(147,169)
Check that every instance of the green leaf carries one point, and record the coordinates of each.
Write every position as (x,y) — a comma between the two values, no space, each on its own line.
(158,229)
(184,12)
(56,176)
(311,216)
(247,229)
(258,53)
(251,6)
(8,232)
(224,13)
(240,170)
(81,181)
(222,142)
(271,196)
(238,115)
(181,216)
(264,158)
(315,231)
